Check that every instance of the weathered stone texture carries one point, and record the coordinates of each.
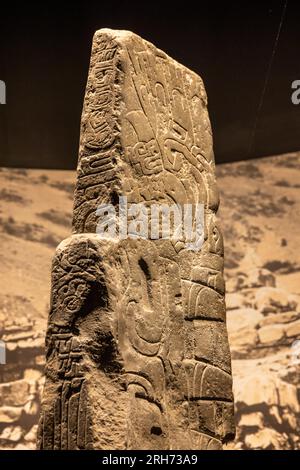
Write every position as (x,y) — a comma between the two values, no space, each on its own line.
(137,350)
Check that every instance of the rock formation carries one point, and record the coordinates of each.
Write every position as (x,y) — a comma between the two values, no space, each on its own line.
(137,350)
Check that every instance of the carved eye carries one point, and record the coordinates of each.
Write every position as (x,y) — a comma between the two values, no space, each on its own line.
(64,289)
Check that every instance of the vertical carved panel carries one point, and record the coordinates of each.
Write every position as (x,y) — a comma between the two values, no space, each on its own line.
(137,348)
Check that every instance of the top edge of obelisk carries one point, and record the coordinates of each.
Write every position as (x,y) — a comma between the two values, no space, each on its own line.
(123,36)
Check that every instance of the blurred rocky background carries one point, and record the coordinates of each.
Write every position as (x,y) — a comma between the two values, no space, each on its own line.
(260,218)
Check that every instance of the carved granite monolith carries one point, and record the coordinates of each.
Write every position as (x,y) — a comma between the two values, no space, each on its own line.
(137,349)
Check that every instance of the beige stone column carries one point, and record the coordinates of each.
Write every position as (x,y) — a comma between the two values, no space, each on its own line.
(137,348)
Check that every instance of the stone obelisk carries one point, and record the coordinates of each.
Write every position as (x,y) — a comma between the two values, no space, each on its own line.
(137,347)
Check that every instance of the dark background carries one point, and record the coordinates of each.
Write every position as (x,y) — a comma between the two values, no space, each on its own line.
(44,58)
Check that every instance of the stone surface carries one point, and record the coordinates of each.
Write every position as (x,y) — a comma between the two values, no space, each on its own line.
(234,301)
(252,421)
(293,329)
(253,278)
(242,328)
(270,334)
(272,300)
(14,393)
(13,434)
(286,317)
(10,414)
(31,435)
(137,348)
(266,439)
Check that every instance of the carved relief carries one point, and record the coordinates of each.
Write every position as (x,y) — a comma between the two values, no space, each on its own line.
(137,349)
